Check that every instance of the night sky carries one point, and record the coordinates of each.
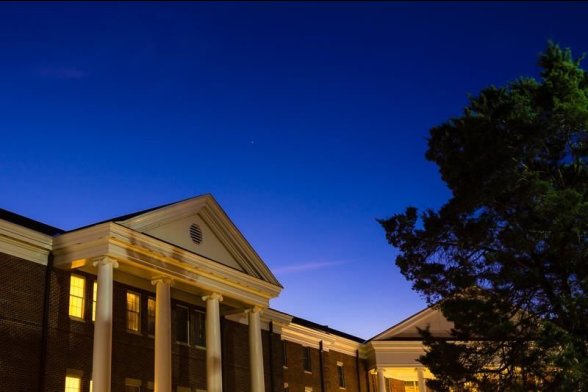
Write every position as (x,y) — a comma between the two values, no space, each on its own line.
(306,121)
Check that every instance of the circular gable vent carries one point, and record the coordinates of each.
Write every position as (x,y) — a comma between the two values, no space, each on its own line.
(196,233)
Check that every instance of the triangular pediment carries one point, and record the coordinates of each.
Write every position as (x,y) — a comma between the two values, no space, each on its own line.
(431,318)
(199,225)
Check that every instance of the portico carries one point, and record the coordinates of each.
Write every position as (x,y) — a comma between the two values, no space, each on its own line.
(188,249)
(393,354)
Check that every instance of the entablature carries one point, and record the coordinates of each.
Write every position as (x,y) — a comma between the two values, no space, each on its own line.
(144,256)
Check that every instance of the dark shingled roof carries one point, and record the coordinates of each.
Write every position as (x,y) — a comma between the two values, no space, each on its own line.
(29,223)
(325,328)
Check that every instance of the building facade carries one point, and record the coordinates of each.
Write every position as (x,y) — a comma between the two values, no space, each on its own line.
(173,299)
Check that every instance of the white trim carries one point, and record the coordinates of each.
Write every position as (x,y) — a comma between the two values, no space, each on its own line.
(312,338)
(409,323)
(142,254)
(218,221)
(24,243)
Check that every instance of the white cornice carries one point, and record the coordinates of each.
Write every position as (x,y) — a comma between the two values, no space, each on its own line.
(140,251)
(220,224)
(268,316)
(312,338)
(24,243)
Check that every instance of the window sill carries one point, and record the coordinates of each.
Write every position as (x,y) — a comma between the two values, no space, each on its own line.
(138,333)
(308,372)
(75,318)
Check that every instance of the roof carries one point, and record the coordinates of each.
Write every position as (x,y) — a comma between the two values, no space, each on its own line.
(325,328)
(29,223)
(134,214)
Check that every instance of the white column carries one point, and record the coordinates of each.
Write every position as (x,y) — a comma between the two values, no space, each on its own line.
(214,379)
(163,358)
(255,350)
(421,378)
(381,380)
(102,353)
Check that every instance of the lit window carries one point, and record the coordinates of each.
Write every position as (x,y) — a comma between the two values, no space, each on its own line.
(306,358)
(133,311)
(91,386)
(284,353)
(151,316)
(182,324)
(411,386)
(341,374)
(77,286)
(198,329)
(307,389)
(132,385)
(94,296)
(73,383)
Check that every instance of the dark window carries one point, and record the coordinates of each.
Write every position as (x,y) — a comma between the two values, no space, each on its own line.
(182,324)
(151,316)
(341,374)
(198,328)
(306,358)
(284,353)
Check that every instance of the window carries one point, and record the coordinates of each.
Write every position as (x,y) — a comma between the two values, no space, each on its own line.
(198,337)
(73,381)
(151,316)
(133,311)
(341,374)
(182,324)
(306,359)
(411,386)
(307,389)
(284,353)
(77,286)
(132,385)
(94,296)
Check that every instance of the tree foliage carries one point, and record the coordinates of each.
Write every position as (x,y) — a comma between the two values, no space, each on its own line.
(505,258)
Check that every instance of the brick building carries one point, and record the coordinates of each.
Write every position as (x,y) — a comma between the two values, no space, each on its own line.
(174,299)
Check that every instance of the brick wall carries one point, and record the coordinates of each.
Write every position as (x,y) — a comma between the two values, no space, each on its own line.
(70,342)
(297,379)
(21,318)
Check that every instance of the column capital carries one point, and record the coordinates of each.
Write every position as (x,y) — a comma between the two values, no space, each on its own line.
(104,260)
(162,279)
(216,296)
(254,309)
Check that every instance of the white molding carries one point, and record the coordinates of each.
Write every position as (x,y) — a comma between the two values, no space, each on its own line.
(142,254)
(279,319)
(410,323)
(24,243)
(218,221)
(309,337)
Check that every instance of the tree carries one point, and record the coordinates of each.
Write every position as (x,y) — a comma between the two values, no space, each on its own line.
(506,258)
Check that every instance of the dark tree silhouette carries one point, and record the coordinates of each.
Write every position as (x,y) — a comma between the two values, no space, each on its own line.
(505,258)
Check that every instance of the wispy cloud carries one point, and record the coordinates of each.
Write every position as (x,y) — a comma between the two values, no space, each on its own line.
(304,267)
(61,72)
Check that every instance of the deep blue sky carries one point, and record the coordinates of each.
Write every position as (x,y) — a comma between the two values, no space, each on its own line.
(307,121)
